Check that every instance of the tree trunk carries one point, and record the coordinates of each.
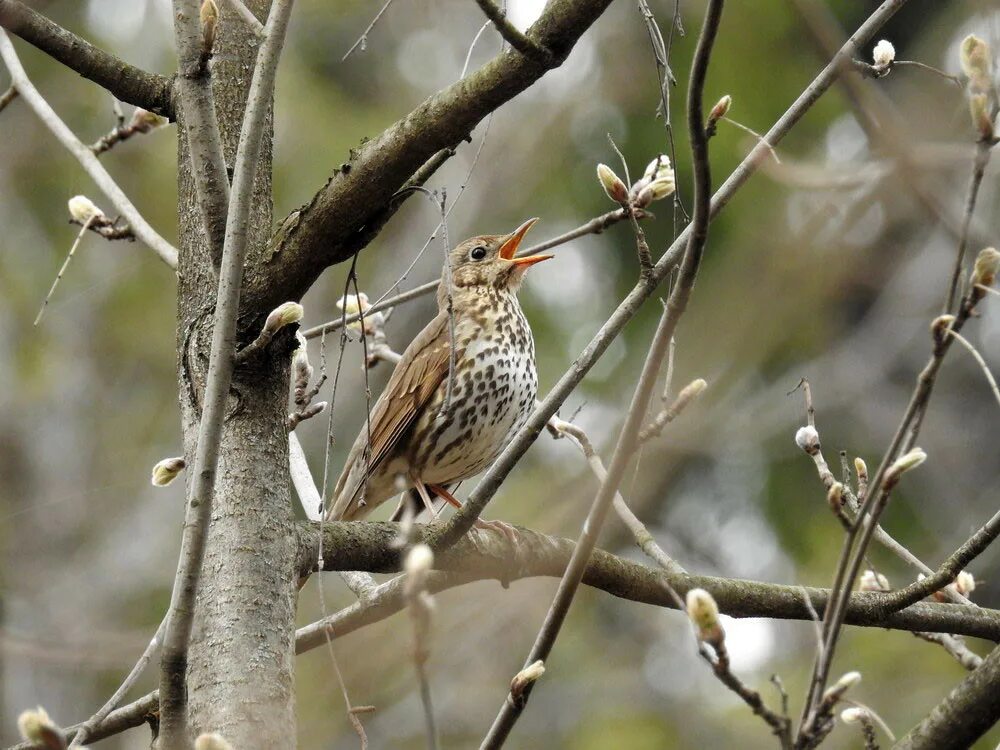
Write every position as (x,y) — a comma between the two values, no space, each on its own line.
(241,659)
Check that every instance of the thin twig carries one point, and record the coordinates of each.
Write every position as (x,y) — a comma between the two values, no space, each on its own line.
(627,441)
(594,226)
(462,521)
(247,15)
(7,97)
(979,162)
(874,501)
(65,265)
(643,539)
(90,163)
(363,39)
(755,134)
(87,728)
(929,68)
(173,689)
(979,360)
(201,126)
(521,42)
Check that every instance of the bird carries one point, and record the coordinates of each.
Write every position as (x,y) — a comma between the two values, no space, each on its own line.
(463,388)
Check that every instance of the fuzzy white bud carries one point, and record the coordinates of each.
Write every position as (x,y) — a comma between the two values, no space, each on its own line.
(82,209)
(835,497)
(36,726)
(965,583)
(807,438)
(353,304)
(167,471)
(987,266)
(283,315)
(872,581)
(612,184)
(836,691)
(656,183)
(721,109)
(903,464)
(525,677)
(854,715)
(419,560)
(974,55)
(861,469)
(884,53)
(143,121)
(704,615)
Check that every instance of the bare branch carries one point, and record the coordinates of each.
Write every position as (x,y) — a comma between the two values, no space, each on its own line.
(87,729)
(462,521)
(83,154)
(194,93)
(247,15)
(964,716)
(512,708)
(7,97)
(324,231)
(979,162)
(521,42)
(482,555)
(594,226)
(173,673)
(126,82)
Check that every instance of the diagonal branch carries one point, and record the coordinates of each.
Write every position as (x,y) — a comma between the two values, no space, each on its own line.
(521,42)
(512,708)
(321,233)
(965,715)
(84,155)
(449,532)
(127,82)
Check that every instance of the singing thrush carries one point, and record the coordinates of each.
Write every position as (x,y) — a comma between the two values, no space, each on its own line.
(442,419)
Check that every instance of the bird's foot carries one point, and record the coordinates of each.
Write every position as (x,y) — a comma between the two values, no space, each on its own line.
(508,530)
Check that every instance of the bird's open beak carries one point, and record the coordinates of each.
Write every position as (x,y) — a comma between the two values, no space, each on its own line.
(513,241)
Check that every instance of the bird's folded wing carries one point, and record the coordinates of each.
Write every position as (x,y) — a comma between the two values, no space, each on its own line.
(422,369)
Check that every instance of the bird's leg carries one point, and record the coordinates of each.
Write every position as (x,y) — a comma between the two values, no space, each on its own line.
(422,491)
(502,526)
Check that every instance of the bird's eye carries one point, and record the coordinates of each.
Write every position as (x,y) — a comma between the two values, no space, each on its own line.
(478,253)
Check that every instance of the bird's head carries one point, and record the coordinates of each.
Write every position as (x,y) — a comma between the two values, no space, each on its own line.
(488,261)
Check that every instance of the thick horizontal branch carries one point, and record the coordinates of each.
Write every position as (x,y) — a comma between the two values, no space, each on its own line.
(130,84)
(482,555)
(320,233)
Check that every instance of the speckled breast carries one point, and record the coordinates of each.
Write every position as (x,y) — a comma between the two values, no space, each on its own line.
(493,393)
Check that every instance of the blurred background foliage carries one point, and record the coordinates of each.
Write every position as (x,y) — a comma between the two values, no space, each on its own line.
(827,266)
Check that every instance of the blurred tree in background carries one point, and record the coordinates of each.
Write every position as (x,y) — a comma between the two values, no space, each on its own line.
(830,265)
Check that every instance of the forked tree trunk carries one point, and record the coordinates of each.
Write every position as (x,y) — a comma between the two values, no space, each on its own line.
(241,660)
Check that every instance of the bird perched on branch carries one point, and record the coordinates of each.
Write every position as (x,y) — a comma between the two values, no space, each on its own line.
(448,411)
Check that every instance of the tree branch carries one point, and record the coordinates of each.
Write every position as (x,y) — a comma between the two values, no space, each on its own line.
(320,233)
(964,716)
(90,163)
(126,82)
(173,671)
(483,555)
(450,531)
(521,42)
(512,707)
(198,118)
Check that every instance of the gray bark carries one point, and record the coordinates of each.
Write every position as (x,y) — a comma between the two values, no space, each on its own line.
(241,659)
